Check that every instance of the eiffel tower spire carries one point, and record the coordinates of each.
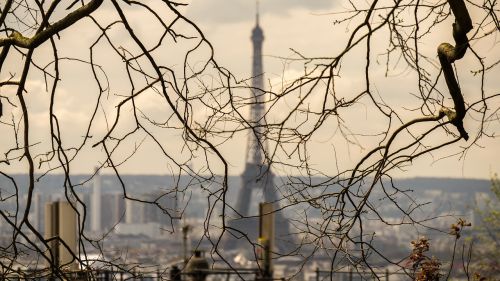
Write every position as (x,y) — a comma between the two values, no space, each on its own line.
(254,149)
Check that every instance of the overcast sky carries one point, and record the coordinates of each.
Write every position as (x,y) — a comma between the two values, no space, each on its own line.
(304,26)
(307,26)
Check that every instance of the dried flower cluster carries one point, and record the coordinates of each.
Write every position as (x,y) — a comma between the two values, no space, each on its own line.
(426,269)
(456,228)
(429,270)
(419,247)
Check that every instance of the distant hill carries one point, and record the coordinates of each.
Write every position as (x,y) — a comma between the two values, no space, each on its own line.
(112,183)
(446,184)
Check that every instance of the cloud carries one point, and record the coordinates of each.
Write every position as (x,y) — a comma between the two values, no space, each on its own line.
(223,11)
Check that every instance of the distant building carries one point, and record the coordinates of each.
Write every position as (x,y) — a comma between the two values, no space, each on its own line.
(61,223)
(257,178)
(95,204)
(134,212)
(36,212)
(113,210)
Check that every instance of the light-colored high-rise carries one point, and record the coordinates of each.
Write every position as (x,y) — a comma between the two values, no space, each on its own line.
(95,204)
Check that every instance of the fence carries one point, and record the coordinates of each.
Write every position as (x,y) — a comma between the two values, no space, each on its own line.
(175,274)
(94,275)
(355,275)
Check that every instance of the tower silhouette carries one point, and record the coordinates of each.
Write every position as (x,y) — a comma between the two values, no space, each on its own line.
(257,176)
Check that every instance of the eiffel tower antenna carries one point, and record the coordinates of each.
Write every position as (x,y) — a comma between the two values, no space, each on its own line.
(257,12)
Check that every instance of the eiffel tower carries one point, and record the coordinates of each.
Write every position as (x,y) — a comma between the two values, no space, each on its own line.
(257,176)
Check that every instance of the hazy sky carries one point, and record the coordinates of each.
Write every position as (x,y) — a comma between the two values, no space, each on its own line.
(307,26)
(304,26)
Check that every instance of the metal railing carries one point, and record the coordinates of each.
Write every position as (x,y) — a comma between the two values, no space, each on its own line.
(84,275)
(175,274)
(354,275)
